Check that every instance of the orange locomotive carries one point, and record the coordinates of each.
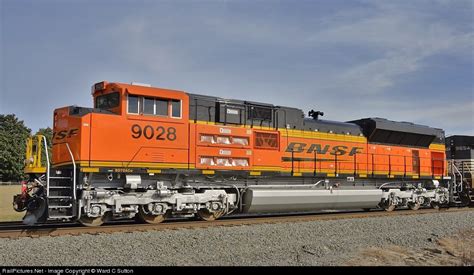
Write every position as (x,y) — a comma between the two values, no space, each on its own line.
(152,153)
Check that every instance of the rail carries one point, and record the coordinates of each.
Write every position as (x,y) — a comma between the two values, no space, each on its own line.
(75,229)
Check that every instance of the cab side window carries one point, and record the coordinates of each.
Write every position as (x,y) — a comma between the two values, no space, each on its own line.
(176,108)
(148,106)
(154,106)
(161,107)
(133,104)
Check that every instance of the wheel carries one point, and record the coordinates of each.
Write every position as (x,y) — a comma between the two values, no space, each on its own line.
(144,216)
(89,221)
(205,215)
(387,205)
(435,205)
(19,202)
(389,208)
(366,209)
(36,211)
(414,206)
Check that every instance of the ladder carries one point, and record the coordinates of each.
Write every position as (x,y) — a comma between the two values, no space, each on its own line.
(461,185)
(60,189)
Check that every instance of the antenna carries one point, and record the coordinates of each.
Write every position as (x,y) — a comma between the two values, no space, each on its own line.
(315,114)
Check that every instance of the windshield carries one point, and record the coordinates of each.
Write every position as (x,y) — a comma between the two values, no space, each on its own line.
(107,101)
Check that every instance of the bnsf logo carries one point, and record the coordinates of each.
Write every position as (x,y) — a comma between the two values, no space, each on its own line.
(65,133)
(339,150)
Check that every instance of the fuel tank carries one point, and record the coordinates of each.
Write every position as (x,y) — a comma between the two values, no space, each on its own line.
(288,199)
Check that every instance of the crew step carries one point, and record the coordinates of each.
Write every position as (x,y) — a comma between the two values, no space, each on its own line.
(59,197)
(60,217)
(61,178)
(59,206)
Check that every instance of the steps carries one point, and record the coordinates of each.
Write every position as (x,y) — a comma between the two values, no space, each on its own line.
(61,202)
(60,183)
(461,174)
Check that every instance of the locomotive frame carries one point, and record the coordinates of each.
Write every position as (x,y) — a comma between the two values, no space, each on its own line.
(152,153)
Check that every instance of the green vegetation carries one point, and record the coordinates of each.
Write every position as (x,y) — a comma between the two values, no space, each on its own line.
(13,136)
(6,199)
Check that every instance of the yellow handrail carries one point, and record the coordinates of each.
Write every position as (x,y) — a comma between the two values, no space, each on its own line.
(34,147)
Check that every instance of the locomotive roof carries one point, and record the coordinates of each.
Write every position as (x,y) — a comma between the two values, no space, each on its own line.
(376,129)
(394,132)
(235,101)
(459,140)
(336,127)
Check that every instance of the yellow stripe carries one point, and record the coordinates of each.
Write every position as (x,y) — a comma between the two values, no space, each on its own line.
(90,169)
(269,168)
(35,170)
(297,174)
(255,173)
(201,122)
(324,136)
(256,169)
(208,172)
(130,165)
(154,171)
(295,133)
(438,147)
(310,134)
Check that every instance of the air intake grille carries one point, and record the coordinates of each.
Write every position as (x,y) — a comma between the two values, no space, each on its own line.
(266,140)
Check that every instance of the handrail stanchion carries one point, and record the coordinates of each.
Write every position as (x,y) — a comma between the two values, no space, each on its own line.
(47,165)
(73,172)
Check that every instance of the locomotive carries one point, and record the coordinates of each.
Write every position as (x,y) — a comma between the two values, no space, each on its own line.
(152,153)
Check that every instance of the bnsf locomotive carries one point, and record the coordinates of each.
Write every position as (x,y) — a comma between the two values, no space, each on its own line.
(155,153)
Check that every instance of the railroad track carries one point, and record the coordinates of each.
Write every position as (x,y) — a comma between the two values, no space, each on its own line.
(127,227)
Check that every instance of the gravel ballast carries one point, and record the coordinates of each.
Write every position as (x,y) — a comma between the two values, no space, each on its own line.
(330,242)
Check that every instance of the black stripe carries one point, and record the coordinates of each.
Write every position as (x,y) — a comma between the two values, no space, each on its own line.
(289,159)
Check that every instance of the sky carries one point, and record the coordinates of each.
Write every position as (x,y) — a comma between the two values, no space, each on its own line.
(401,60)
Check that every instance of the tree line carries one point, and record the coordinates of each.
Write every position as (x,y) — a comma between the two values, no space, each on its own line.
(13,136)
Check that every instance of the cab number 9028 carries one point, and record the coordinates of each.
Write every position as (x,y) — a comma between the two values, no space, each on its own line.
(149,132)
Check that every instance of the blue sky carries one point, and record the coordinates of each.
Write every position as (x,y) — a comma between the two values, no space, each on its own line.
(401,60)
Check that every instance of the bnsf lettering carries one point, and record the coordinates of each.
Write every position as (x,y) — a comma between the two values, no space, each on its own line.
(339,150)
(65,133)
(317,148)
(296,147)
(149,132)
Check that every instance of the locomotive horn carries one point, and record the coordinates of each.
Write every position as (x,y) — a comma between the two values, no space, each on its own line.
(314,114)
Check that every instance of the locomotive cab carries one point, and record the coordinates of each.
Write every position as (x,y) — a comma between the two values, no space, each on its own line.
(128,123)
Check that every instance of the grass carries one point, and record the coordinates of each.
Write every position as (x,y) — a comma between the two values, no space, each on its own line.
(6,198)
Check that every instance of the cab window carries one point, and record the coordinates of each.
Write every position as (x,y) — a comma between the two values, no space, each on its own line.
(176,108)
(154,106)
(107,101)
(133,104)
(161,107)
(148,106)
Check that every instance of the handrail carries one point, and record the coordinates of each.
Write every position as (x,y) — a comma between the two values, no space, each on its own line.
(47,165)
(73,173)
(393,164)
(460,174)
